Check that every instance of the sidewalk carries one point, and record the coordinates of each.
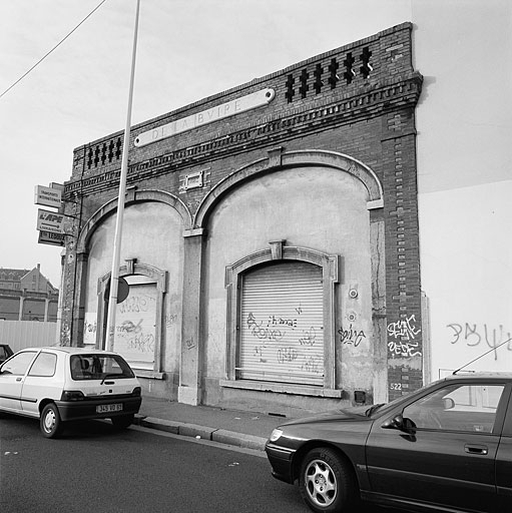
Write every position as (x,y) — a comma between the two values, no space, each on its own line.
(243,429)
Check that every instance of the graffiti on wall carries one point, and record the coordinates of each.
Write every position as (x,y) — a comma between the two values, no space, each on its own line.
(480,335)
(262,332)
(135,334)
(170,320)
(351,336)
(308,337)
(402,336)
(135,337)
(285,340)
(90,328)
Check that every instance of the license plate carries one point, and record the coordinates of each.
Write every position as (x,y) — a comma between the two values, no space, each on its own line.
(107,408)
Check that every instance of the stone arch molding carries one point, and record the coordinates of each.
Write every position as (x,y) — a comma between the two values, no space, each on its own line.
(132,196)
(278,159)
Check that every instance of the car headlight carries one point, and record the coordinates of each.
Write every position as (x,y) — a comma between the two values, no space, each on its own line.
(275,435)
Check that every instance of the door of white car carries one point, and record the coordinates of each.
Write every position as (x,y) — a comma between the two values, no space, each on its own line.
(12,376)
(40,382)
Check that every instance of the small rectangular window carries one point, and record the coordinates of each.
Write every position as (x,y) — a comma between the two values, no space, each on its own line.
(44,365)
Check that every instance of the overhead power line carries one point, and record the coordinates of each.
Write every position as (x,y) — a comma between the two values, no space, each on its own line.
(53,49)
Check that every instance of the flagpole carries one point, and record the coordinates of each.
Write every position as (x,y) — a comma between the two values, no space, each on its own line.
(114,276)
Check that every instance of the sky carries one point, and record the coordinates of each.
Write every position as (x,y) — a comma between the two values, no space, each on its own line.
(186,51)
(191,49)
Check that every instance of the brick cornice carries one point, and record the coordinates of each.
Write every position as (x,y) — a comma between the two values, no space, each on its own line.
(304,121)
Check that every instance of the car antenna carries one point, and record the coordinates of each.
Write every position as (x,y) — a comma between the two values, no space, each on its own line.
(481,356)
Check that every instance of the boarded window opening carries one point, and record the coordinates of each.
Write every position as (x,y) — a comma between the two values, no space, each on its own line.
(281,324)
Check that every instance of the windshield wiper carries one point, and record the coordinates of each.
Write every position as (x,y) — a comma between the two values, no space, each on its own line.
(110,376)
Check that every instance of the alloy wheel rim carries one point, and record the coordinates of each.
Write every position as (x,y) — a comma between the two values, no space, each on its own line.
(321,483)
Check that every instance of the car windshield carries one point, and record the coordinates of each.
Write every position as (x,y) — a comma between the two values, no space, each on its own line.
(99,366)
(382,408)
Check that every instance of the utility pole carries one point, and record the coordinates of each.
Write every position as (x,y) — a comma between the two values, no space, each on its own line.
(114,275)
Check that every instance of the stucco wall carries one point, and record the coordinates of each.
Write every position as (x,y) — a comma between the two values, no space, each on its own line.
(152,233)
(304,206)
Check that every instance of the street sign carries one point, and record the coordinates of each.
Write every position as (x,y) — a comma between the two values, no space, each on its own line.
(50,238)
(123,289)
(48,196)
(50,221)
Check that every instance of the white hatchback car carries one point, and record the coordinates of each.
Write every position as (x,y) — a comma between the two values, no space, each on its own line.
(59,384)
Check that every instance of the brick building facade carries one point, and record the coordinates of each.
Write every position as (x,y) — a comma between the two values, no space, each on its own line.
(270,238)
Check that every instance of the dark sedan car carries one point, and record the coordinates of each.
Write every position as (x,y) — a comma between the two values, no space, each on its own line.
(446,447)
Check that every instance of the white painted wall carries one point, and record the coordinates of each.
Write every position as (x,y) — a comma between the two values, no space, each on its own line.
(22,334)
(463,49)
(466,270)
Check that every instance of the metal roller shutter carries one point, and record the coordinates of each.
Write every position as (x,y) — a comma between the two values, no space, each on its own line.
(281,329)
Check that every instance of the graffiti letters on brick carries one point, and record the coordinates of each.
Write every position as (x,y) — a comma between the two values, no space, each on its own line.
(402,337)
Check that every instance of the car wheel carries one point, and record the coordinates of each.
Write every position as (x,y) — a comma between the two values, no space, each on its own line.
(50,423)
(123,421)
(326,483)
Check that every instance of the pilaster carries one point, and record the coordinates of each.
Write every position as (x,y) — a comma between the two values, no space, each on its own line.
(191,354)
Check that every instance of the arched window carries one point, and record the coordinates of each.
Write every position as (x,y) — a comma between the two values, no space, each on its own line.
(138,330)
(281,323)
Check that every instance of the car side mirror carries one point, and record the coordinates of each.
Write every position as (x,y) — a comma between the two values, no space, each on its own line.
(396,422)
(400,423)
(448,403)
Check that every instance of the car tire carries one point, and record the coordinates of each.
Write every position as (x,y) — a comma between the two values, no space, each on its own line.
(123,421)
(326,482)
(50,423)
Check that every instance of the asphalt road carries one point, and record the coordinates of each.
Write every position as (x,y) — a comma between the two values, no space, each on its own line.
(94,468)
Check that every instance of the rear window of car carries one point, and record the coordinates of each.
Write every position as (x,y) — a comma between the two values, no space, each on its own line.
(99,366)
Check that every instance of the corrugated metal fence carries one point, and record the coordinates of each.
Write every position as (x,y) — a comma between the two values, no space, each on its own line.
(21,334)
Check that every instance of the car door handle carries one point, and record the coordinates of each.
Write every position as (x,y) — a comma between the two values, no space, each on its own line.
(19,379)
(476,449)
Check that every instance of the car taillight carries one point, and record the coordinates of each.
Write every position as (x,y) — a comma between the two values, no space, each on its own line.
(72,395)
(136,392)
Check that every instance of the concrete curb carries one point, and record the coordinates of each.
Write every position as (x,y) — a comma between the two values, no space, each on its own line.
(222,436)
